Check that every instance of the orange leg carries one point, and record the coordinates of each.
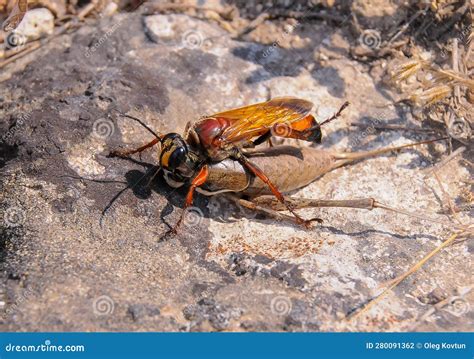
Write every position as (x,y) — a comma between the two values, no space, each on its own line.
(197,181)
(126,153)
(257,172)
(336,115)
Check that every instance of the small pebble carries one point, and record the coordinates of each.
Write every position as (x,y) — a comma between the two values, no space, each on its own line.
(37,23)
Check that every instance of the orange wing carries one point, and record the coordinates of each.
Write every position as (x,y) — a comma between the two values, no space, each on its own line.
(254,120)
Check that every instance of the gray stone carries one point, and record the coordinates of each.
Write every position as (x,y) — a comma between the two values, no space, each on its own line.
(64,271)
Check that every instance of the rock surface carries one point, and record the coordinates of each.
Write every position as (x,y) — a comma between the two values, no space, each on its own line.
(63,271)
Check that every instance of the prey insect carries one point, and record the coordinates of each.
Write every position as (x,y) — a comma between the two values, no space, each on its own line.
(186,159)
(292,168)
(217,156)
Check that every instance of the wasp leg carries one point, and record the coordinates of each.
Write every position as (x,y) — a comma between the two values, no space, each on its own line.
(257,172)
(261,139)
(126,153)
(265,137)
(199,180)
(336,115)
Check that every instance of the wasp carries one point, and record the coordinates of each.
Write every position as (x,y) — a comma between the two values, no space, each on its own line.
(186,159)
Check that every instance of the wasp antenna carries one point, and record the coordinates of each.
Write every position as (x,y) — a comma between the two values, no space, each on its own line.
(109,205)
(336,115)
(116,196)
(140,122)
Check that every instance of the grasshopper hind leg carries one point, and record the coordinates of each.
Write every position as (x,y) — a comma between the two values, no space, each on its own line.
(269,212)
(271,204)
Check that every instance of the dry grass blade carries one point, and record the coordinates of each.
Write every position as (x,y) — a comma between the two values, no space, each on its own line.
(25,51)
(432,95)
(433,83)
(444,161)
(400,279)
(447,197)
(444,303)
(456,77)
(405,70)
(422,217)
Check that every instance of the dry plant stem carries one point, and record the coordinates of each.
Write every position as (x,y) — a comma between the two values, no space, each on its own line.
(462,80)
(406,26)
(444,162)
(447,119)
(14,51)
(400,279)
(252,25)
(455,61)
(355,23)
(453,20)
(160,8)
(468,53)
(394,128)
(443,303)
(87,10)
(24,52)
(446,197)
(422,28)
(224,19)
(307,15)
(36,45)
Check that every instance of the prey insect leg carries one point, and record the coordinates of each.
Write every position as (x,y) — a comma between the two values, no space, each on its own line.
(257,172)
(267,211)
(296,202)
(364,203)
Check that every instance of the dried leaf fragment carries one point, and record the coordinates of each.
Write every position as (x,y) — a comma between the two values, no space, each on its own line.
(19,10)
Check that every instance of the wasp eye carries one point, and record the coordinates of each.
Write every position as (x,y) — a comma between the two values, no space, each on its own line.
(177,157)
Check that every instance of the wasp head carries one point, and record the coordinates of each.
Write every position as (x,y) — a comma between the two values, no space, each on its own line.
(178,162)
